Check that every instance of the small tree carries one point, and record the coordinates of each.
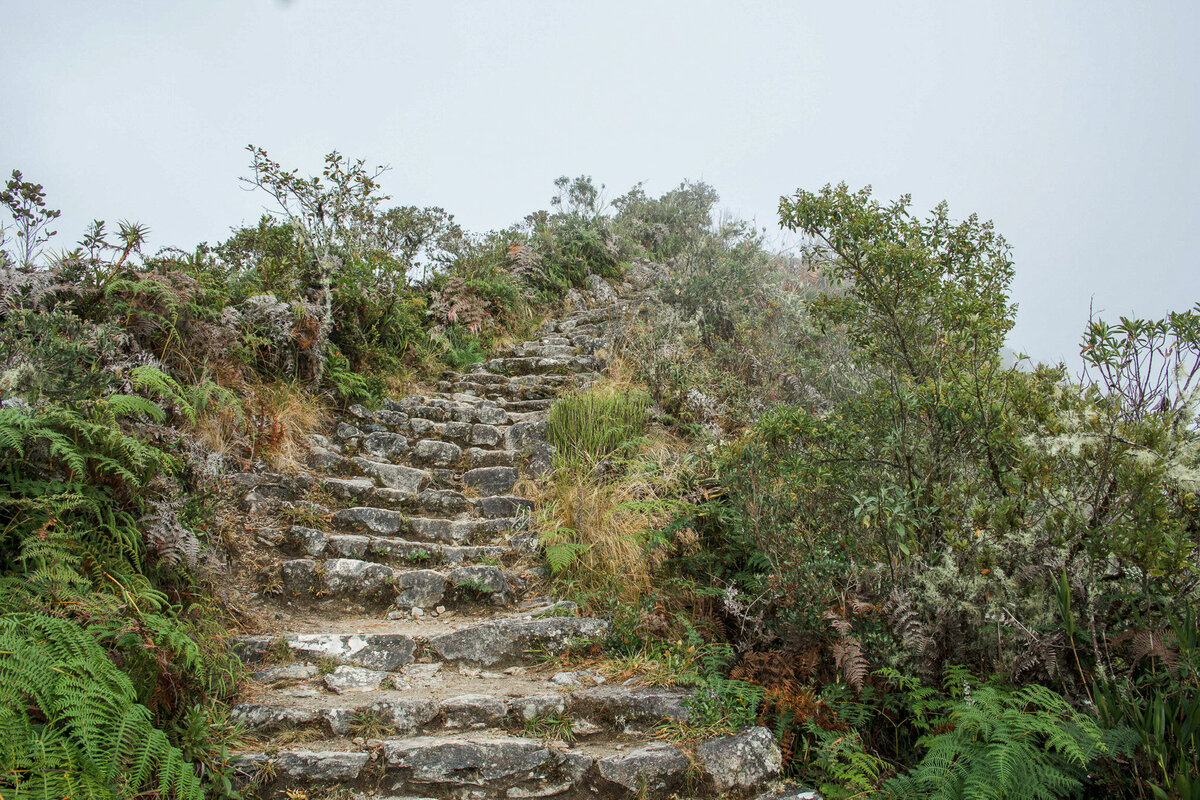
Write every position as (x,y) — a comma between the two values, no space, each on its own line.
(333,213)
(26,202)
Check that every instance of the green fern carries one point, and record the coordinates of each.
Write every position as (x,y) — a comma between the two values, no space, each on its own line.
(70,722)
(995,743)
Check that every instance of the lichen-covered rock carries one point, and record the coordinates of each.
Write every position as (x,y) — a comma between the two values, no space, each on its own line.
(742,761)
(376,520)
(321,765)
(408,714)
(385,445)
(382,651)
(488,413)
(493,761)
(524,435)
(657,767)
(490,480)
(498,641)
(432,452)
(434,529)
(357,679)
(444,501)
(348,545)
(622,706)
(349,575)
(346,488)
(422,588)
(473,711)
(395,476)
(600,291)
(312,540)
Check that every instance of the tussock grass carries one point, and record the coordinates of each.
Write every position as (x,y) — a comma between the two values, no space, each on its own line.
(281,415)
(601,422)
(601,526)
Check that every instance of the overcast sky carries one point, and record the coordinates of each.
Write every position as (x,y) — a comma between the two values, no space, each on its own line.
(1075,126)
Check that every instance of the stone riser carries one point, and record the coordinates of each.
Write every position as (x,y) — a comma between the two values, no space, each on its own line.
(497,766)
(495,643)
(602,711)
(373,583)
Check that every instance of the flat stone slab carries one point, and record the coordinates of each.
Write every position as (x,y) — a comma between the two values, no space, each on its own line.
(354,679)
(490,480)
(384,651)
(626,705)
(466,761)
(473,711)
(395,476)
(321,765)
(376,520)
(507,640)
(349,487)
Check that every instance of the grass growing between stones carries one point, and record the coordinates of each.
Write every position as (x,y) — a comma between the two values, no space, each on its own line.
(551,726)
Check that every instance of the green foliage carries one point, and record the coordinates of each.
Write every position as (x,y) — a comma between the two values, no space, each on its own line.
(664,227)
(722,703)
(1160,701)
(597,424)
(26,203)
(993,742)
(71,722)
(551,726)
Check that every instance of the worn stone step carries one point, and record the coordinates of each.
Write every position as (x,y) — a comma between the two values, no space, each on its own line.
(316,544)
(544,366)
(391,523)
(466,409)
(526,406)
(487,764)
(376,583)
(343,701)
(499,641)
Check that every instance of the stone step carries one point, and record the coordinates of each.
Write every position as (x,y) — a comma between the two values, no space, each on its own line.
(424,698)
(387,522)
(312,543)
(468,409)
(521,407)
(490,764)
(376,583)
(498,641)
(543,366)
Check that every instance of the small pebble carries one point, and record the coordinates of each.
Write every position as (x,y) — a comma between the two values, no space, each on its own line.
(418,611)
(440,609)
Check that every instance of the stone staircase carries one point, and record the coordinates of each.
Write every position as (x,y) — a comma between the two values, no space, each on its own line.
(408,640)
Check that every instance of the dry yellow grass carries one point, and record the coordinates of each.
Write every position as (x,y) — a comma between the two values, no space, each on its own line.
(288,413)
(598,527)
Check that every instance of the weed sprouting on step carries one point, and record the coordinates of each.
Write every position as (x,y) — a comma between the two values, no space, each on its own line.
(551,726)
(371,724)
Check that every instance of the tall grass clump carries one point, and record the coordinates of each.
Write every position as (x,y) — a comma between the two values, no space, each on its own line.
(593,425)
